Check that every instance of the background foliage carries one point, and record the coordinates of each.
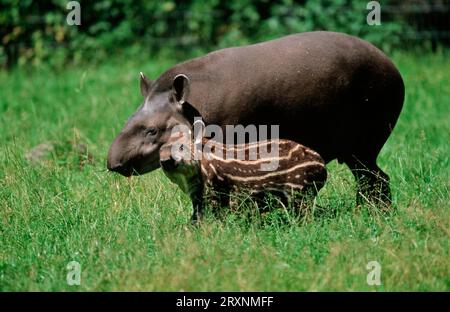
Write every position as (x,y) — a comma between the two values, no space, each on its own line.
(33,32)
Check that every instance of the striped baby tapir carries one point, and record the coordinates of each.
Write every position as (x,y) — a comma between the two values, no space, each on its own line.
(218,173)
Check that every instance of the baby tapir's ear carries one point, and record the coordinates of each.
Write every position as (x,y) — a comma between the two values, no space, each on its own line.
(146,84)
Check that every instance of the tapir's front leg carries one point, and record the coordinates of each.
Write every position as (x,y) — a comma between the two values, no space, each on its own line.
(197,204)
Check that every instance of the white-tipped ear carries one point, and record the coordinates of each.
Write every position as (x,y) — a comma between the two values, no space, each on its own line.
(180,88)
(145,84)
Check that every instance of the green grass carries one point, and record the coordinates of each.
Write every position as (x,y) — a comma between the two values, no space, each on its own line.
(134,234)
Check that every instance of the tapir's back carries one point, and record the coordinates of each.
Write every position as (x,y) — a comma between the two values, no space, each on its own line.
(311,64)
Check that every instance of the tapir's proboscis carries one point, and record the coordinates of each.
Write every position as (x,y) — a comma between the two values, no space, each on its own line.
(332,92)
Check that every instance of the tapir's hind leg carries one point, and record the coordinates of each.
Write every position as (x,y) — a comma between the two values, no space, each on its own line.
(372,182)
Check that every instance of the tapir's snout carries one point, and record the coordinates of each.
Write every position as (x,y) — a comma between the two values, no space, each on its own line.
(114,164)
(119,168)
(114,161)
(131,161)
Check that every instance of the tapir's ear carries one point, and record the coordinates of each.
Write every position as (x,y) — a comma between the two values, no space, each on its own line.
(145,85)
(180,88)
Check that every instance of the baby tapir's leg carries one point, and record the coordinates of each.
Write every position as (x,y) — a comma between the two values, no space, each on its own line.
(218,198)
(303,201)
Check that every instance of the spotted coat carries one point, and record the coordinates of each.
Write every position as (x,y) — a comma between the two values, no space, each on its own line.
(214,171)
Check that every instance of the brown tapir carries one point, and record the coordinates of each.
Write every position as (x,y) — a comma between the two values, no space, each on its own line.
(212,172)
(335,93)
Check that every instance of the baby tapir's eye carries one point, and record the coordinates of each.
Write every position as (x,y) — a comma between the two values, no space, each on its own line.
(151,131)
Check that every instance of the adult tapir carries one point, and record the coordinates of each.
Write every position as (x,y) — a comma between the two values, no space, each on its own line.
(332,92)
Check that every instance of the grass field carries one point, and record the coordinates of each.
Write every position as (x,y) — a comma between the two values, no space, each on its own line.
(135,234)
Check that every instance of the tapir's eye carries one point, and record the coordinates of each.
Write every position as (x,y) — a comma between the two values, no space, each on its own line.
(181,148)
(151,131)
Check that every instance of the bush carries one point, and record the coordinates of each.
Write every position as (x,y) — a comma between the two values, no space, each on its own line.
(33,32)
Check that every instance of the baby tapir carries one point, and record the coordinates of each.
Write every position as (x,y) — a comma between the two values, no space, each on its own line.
(213,171)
